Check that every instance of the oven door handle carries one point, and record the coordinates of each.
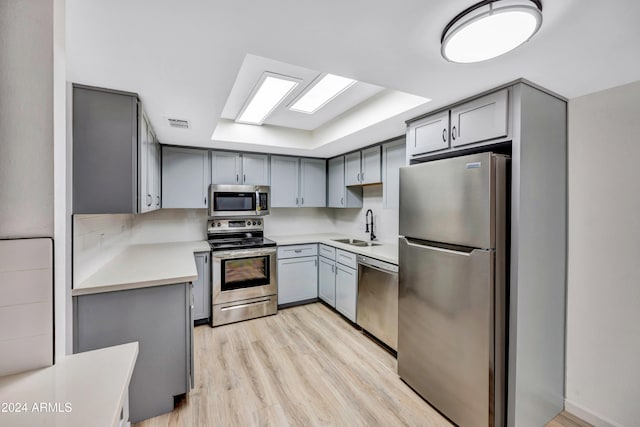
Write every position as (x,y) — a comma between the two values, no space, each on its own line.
(243,254)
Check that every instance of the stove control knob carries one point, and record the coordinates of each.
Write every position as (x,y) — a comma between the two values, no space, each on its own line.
(254,223)
(219,225)
(259,222)
(248,222)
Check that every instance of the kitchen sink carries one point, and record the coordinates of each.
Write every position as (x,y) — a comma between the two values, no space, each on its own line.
(356,242)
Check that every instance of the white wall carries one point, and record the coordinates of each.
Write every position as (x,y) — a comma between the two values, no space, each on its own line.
(97,239)
(26,118)
(170,225)
(287,221)
(603,313)
(352,221)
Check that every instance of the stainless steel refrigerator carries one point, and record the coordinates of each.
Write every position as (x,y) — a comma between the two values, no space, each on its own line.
(452,285)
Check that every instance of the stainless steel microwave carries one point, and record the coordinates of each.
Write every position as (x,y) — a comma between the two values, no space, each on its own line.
(238,200)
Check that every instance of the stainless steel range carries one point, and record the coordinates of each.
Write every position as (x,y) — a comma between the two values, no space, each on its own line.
(243,270)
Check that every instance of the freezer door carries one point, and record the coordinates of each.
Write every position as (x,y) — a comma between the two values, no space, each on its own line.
(445,340)
(450,201)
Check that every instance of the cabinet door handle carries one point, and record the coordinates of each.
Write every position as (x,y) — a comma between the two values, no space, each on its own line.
(333,267)
(296,201)
(302,201)
(297,251)
(237,177)
(244,177)
(149,199)
(205,201)
(453,133)
(362,177)
(157,200)
(341,201)
(206,259)
(444,135)
(358,178)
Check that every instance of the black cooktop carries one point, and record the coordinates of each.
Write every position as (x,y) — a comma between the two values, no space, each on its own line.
(239,241)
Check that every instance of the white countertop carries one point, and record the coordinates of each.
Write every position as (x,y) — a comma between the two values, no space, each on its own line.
(140,266)
(386,251)
(92,385)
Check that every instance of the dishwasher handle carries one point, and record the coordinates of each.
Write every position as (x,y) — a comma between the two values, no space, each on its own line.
(384,267)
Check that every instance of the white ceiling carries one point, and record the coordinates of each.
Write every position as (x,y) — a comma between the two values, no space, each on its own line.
(183,57)
(252,69)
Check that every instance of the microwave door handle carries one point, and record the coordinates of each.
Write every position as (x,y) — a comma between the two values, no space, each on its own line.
(257,200)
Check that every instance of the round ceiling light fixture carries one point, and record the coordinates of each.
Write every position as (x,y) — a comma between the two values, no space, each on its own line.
(490,28)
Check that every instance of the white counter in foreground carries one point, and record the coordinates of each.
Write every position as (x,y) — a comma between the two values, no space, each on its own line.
(387,252)
(84,389)
(140,266)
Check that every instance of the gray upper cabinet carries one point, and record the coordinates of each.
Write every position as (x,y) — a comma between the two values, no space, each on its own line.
(185,177)
(226,167)
(341,196)
(298,182)
(239,168)
(150,169)
(371,173)
(352,169)
(284,182)
(336,182)
(363,167)
(313,183)
(429,134)
(113,165)
(482,119)
(393,158)
(255,169)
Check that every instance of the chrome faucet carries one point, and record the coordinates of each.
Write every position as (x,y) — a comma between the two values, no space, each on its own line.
(372,236)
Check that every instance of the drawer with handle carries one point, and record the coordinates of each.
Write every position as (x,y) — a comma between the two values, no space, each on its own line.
(294,251)
(346,258)
(327,251)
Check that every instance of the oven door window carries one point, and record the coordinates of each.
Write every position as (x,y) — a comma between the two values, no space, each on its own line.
(234,202)
(240,273)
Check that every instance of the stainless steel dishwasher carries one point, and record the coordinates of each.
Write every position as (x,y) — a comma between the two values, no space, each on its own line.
(378,299)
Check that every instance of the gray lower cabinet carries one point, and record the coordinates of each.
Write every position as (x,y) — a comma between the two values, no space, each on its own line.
(346,291)
(185,177)
(327,280)
(339,195)
(297,276)
(202,287)
(159,318)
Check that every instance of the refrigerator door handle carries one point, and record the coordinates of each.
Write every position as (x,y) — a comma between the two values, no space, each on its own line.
(436,248)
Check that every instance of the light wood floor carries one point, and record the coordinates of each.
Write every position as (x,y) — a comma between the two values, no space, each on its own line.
(305,366)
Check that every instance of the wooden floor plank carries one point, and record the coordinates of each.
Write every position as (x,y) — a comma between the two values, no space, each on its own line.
(305,366)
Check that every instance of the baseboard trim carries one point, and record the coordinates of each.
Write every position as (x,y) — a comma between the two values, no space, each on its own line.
(589,416)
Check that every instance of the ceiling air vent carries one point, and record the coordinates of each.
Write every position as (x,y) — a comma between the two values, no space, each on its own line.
(179,123)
